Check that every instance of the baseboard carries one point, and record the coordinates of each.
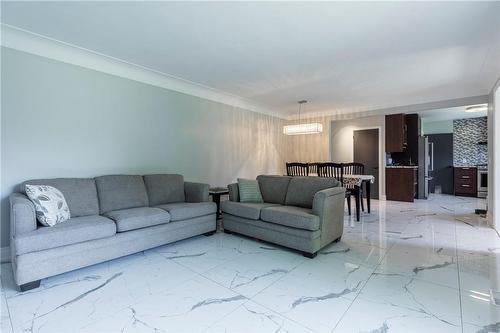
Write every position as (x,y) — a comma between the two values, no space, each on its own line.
(4,254)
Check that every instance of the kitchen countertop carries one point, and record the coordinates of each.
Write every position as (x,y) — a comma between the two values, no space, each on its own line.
(402,166)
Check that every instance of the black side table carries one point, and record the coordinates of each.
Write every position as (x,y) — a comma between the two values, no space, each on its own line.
(216,193)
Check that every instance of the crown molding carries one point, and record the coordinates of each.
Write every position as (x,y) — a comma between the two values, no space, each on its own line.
(30,42)
(351,113)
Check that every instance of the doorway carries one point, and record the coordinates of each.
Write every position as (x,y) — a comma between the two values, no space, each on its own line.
(366,151)
(442,174)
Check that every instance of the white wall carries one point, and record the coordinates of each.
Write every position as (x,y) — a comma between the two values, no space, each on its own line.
(342,143)
(335,143)
(494,157)
(61,120)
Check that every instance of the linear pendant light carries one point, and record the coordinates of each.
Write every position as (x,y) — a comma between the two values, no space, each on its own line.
(305,128)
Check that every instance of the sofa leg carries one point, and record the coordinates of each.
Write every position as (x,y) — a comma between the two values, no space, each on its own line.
(209,233)
(29,286)
(337,240)
(227,232)
(310,255)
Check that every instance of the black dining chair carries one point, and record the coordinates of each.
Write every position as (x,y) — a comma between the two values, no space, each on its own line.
(336,170)
(355,168)
(313,167)
(333,170)
(297,169)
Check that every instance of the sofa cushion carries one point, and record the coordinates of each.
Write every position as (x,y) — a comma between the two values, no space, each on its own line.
(164,189)
(80,193)
(301,190)
(188,210)
(247,210)
(50,206)
(136,218)
(120,192)
(74,230)
(234,194)
(290,216)
(249,190)
(274,188)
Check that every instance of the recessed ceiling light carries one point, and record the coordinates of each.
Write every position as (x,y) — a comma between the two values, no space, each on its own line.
(477,108)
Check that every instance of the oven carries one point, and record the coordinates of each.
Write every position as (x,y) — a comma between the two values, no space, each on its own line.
(482,181)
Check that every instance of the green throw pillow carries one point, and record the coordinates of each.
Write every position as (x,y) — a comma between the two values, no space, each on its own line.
(249,190)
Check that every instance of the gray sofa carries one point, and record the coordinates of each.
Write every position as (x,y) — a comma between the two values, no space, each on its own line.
(111,216)
(303,213)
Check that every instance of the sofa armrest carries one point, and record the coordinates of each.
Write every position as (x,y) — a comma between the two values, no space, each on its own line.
(22,215)
(329,206)
(234,192)
(196,192)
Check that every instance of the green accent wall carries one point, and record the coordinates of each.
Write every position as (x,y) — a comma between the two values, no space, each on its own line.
(62,120)
(437,127)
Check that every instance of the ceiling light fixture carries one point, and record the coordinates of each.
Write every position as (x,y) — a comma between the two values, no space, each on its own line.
(306,128)
(477,108)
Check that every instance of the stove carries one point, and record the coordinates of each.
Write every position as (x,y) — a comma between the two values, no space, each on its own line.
(482,180)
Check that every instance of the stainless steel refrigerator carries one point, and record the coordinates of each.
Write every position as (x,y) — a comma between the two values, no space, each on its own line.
(425,166)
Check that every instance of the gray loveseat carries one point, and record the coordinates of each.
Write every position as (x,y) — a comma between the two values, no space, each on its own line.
(303,213)
(111,216)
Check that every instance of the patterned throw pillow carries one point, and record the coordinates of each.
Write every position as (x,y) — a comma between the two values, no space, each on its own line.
(249,190)
(50,206)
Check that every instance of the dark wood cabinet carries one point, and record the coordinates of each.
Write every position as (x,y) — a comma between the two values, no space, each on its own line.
(401,184)
(395,133)
(413,131)
(465,181)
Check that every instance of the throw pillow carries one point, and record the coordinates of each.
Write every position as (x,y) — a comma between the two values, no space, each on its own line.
(50,205)
(249,190)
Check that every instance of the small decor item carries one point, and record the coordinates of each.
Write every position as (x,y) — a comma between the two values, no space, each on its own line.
(50,205)
(302,128)
(249,190)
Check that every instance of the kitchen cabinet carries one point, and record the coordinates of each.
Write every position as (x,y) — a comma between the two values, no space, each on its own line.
(401,183)
(465,181)
(413,131)
(395,133)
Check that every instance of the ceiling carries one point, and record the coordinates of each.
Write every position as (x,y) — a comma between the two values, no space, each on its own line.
(341,56)
(449,114)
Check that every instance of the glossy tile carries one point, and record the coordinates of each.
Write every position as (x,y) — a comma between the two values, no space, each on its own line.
(252,317)
(421,263)
(428,266)
(192,306)
(393,303)
(251,273)
(317,292)
(5,324)
(479,313)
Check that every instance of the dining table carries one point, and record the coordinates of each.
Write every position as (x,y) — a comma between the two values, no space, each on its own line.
(356,182)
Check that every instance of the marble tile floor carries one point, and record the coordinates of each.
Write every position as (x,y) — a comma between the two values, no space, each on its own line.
(428,266)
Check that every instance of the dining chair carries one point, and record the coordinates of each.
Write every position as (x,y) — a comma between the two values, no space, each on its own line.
(336,170)
(313,167)
(355,168)
(330,169)
(297,169)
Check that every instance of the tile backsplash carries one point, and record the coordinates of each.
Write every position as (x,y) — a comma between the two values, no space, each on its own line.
(466,135)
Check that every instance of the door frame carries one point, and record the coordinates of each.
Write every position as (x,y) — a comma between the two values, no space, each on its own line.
(381,155)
